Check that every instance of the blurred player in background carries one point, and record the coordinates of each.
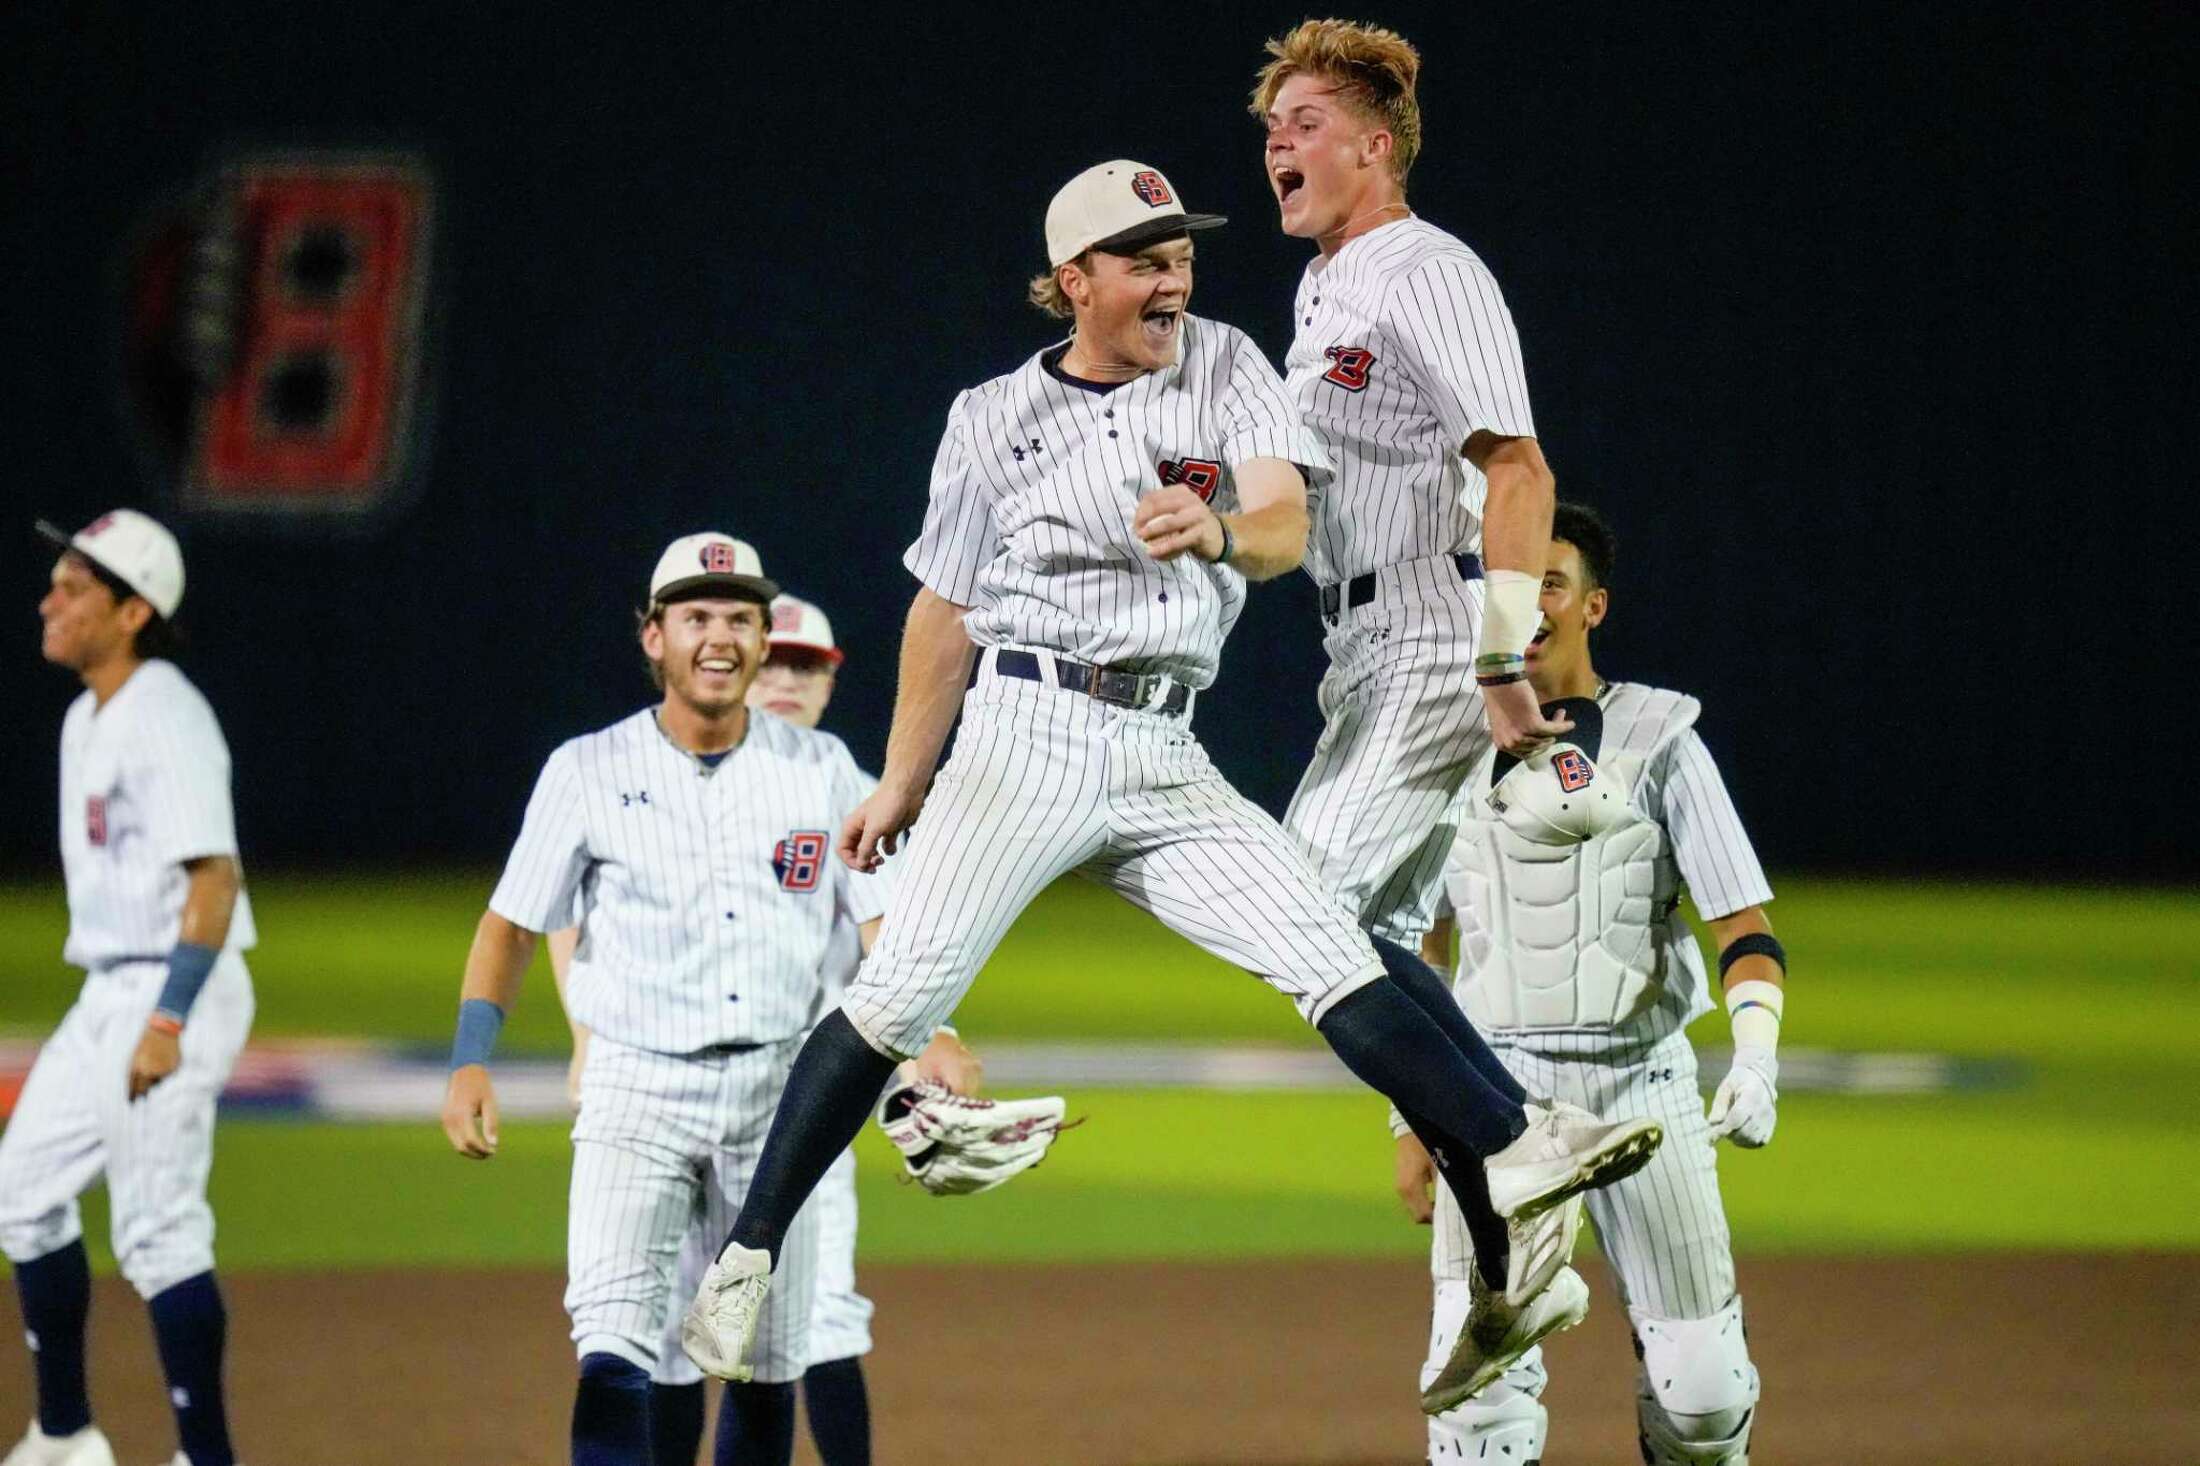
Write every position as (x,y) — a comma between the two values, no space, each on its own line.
(796,682)
(693,841)
(159,921)
(1576,961)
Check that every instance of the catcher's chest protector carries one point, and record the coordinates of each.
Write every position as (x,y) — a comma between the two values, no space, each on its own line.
(1566,937)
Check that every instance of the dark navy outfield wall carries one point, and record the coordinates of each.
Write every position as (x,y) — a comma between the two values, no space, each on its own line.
(1862,322)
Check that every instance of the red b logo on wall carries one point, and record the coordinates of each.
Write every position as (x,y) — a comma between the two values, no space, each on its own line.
(1574,771)
(1151,187)
(276,332)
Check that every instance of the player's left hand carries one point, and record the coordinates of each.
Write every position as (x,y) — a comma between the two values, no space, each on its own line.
(1745,1107)
(158,1055)
(1517,724)
(946,1060)
(1173,521)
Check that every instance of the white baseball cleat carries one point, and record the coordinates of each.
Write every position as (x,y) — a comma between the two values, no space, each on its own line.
(720,1324)
(1496,1334)
(1565,1151)
(86,1447)
(1539,1245)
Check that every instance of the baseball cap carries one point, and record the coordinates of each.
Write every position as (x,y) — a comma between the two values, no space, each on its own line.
(799,626)
(136,549)
(1119,207)
(1558,795)
(697,564)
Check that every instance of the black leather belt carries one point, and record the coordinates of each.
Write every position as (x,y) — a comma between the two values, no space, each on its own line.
(1360,589)
(1105,684)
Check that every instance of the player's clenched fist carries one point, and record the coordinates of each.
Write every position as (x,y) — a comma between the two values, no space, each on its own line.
(158,1055)
(1416,1179)
(470,1112)
(1171,521)
(874,831)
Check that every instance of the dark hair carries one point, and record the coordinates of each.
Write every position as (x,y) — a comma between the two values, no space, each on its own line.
(158,637)
(1583,528)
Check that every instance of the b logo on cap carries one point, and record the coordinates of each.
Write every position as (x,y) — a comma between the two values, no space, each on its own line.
(1151,187)
(1574,772)
(786,617)
(717,558)
(97,527)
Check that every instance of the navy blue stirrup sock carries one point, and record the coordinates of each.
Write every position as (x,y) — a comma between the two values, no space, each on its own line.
(611,1413)
(675,1423)
(755,1425)
(1469,1185)
(56,1295)
(1426,987)
(835,1081)
(839,1408)
(191,1327)
(1398,1051)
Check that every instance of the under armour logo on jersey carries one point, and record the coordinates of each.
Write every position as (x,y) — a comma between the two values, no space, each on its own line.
(628,801)
(799,860)
(1018,449)
(1201,475)
(1573,770)
(1151,187)
(717,558)
(95,819)
(1348,367)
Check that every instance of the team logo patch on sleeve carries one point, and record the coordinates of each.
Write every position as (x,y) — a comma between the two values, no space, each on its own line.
(95,819)
(799,860)
(1574,772)
(1201,475)
(1348,367)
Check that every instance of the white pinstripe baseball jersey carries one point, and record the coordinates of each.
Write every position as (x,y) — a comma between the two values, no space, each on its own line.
(1404,349)
(707,896)
(1037,478)
(144,787)
(1700,843)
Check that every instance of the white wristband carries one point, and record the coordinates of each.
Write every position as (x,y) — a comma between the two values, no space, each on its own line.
(1754,1009)
(1512,610)
(1399,1129)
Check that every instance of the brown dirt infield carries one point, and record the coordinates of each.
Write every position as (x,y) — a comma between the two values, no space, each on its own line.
(1952,1360)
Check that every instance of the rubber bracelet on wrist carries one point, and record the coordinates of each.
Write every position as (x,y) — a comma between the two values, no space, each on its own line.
(1229,542)
(189,966)
(1495,669)
(167,1023)
(479,1023)
(1758,944)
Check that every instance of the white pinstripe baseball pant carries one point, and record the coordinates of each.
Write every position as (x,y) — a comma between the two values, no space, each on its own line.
(1403,724)
(1045,781)
(1663,1229)
(664,1144)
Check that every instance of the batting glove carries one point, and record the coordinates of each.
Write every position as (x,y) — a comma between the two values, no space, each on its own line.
(1745,1107)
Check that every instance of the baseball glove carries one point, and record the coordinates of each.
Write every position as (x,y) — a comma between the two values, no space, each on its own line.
(954,1145)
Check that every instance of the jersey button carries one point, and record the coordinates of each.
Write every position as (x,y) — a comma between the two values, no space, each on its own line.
(1113,433)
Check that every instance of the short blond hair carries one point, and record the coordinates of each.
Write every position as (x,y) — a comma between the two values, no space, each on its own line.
(1373,68)
(1046,291)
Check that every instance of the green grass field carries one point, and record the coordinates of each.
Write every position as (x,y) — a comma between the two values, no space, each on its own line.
(2097,993)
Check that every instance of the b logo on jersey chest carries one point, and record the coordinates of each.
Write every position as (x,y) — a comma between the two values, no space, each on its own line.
(1201,475)
(1574,772)
(95,819)
(1349,366)
(799,860)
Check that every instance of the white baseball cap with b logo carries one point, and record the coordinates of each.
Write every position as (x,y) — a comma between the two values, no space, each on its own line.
(799,626)
(1120,208)
(698,564)
(135,549)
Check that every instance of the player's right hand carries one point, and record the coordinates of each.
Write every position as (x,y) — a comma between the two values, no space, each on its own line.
(470,1113)
(1517,724)
(1416,1179)
(874,831)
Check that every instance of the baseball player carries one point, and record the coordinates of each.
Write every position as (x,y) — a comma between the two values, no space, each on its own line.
(795,683)
(693,840)
(1094,517)
(1575,959)
(159,921)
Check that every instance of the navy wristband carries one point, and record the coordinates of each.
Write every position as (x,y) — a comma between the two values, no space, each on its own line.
(1760,944)
(189,966)
(479,1022)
